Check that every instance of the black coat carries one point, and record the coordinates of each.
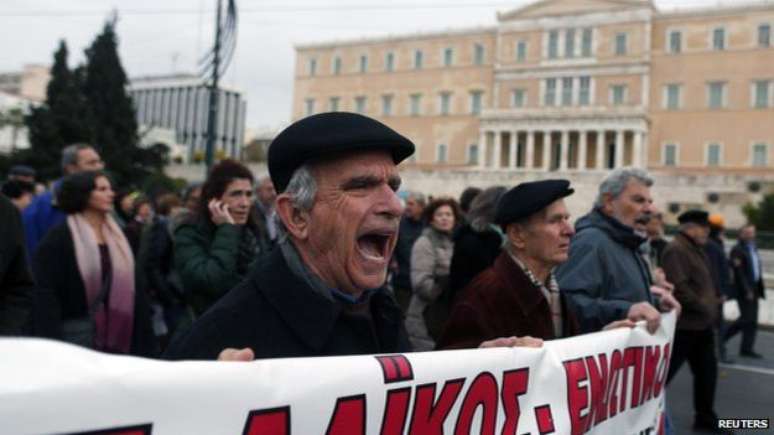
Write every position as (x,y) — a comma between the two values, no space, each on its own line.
(474,251)
(276,314)
(719,267)
(741,263)
(61,294)
(16,286)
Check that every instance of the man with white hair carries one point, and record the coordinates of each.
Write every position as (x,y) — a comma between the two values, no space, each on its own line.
(606,278)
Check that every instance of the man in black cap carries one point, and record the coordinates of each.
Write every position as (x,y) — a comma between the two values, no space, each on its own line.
(518,296)
(320,293)
(686,266)
(22,173)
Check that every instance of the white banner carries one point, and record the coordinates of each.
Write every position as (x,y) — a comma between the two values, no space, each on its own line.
(604,383)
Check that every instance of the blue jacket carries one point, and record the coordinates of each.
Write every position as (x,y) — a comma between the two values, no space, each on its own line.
(39,217)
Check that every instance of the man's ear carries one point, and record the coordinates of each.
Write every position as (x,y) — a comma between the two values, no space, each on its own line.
(515,235)
(295,220)
(607,203)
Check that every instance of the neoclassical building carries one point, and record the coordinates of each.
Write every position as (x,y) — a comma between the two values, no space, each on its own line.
(566,85)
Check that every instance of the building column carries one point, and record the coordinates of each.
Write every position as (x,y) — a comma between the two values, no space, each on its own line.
(564,150)
(637,149)
(513,150)
(581,150)
(619,149)
(529,157)
(547,150)
(601,149)
(482,149)
(498,139)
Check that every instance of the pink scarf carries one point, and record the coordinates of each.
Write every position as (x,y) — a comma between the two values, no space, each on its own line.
(114,322)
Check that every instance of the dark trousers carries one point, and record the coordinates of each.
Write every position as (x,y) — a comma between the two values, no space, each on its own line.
(747,323)
(698,347)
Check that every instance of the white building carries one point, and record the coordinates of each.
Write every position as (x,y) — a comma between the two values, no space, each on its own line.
(181,102)
(14,137)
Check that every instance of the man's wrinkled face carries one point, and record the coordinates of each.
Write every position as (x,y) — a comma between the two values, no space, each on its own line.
(633,204)
(353,225)
(414,208)
(89,160)
(545,237)
(699,233)
(747,233)
(266,192)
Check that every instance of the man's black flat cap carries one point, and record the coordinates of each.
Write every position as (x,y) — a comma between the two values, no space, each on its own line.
(695,217)
(325,135)
(22,170)
(529,198)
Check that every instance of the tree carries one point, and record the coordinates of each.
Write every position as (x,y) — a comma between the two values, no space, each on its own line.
(761,215)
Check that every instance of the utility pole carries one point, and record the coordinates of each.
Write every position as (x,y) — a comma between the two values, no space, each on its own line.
(213,110)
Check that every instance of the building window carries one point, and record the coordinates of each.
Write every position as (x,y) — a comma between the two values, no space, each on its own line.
(478,54)
(336,65)
(719,39)
(550,96)
(441,153)
(312,66)
(309,106)
(672,96)
(333,104)
(360,105)
(675,41)
(389,62)
(475,102)
(521,51)
(618,95)
(363,63)
(416,104)
(761,90)
(418,58)
(584,96)
(386,105)
(445,99)
(620,44)
(519,98)
(472,154)
(553,44)
(764,35)
(713,154)
(586,43)
(569,43)
(716,95)
(567,91)
(670,154)
(448,56)
(760,154)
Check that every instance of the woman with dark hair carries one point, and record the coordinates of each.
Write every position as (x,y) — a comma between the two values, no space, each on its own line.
(430,258)
(85,274)
(215,246)
(476,243)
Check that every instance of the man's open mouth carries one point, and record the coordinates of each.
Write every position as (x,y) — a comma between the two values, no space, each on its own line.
(374,246)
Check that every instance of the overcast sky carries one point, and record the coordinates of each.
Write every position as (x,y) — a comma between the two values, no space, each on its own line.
(161,37)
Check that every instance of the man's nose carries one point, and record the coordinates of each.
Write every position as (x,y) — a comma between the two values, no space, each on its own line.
(388,203)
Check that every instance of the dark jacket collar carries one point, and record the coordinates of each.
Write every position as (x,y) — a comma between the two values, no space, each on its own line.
(617,231)
(687,241)
(521,287)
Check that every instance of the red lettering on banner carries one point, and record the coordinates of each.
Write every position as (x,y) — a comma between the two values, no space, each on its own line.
(395,411)
(349,416)
(275,421)
(616,362)
(662,372)
(482,392)
(652,358)
(637,379)
(396,368)
(514,385)
(429,415)
(630,357)
(143,429)
(577,395)
(545,420)
(598,386)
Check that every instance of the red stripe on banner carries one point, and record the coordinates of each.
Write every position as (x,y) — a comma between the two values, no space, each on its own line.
(389,368)
(275,421)
(404,367)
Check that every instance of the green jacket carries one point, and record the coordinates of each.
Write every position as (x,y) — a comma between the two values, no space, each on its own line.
(207,260)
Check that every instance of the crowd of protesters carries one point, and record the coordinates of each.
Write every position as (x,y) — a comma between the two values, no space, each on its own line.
(233,268)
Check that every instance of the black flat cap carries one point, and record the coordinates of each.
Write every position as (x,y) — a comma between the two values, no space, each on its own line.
(529,198)
(325,134)
(22,170)
(695,217)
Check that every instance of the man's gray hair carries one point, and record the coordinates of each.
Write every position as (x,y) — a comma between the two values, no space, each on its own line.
(484,206)
(418,197)
(302,190)
(616,182)
(70,154)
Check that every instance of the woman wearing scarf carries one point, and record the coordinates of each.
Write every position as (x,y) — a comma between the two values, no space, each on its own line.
(85,273)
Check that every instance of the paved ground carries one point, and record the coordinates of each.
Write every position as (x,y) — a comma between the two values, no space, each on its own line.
(745,388)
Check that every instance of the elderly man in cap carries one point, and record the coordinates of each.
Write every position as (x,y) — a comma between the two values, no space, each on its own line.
(687,267)
(518,294)
(320,292)
(606,278)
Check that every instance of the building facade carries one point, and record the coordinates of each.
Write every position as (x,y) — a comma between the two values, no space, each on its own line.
(30,83)
(180,103)
(566,85)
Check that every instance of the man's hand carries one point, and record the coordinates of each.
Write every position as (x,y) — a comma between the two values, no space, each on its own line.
(526,341)
(645,311)
(625,323)
(239,355)
(668,301)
